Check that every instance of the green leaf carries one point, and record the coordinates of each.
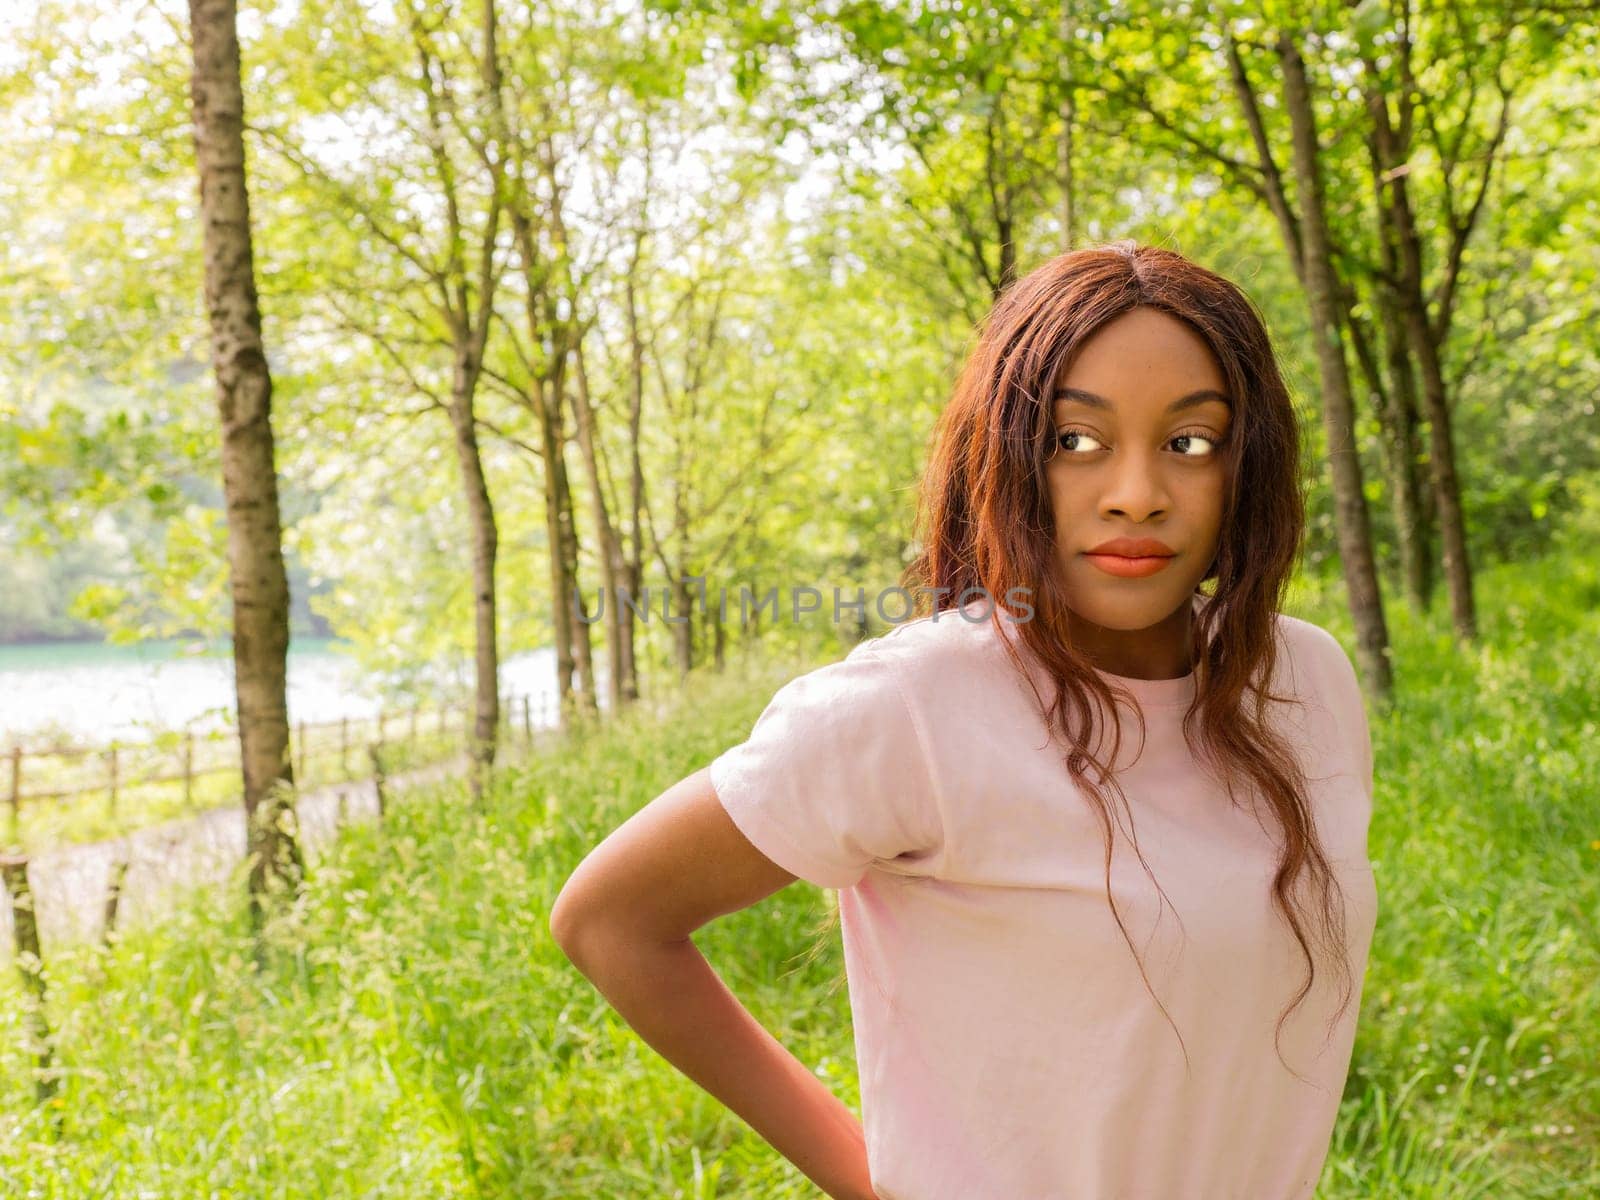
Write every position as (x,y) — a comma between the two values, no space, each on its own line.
(1369,20)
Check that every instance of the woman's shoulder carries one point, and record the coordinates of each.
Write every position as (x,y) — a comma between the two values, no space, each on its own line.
(964,646)
(950,661)
(939,640)
(1321,673)
(1313,649)
(1327,678)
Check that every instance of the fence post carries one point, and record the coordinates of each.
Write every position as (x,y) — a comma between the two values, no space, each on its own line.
(112,803)
(188,769)
(377,775)
(119,871)
(527,719)
(16,793)
(344,747)
(300,744)
(25,933)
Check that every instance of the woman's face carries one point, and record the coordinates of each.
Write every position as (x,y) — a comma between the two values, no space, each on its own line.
(1139,414)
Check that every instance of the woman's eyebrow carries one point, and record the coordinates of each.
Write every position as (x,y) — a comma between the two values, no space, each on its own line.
(1192,400)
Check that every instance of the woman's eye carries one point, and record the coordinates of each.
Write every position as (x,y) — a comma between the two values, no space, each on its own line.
(1067,439)
(1211,443)
(1071,440)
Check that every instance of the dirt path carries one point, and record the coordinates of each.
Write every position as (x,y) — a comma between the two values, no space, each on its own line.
(69,883)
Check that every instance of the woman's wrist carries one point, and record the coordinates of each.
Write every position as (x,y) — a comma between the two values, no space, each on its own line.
(676,1002)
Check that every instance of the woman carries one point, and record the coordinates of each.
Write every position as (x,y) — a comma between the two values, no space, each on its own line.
(1101,856)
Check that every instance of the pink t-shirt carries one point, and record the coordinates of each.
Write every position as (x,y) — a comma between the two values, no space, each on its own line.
(1007,1046)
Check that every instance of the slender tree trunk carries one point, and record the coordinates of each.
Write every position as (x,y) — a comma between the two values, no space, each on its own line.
(1069,119)
(467,302)
(544,400)
(1425,351)
(1398,412)
(1338,414)
(582,647)
(1395,405)
(555,536)
(683,625)
(719,637)
(1442,475)
(485,540)
(258,583)
(1400,429)
(630,684)
(546,289)
(612,566)
(683,638)
(1008,254)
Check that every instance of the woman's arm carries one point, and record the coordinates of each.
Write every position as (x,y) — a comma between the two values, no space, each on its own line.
(625,917)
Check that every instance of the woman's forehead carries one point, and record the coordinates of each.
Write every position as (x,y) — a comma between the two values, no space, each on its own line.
(1194,399)
(1143,351)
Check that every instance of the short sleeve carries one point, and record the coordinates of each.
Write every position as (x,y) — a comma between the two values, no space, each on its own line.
(834,775)
(1349,708)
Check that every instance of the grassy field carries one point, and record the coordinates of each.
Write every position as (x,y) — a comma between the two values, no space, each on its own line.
(416,1033)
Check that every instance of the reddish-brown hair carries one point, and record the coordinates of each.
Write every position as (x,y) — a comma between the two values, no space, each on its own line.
(985,521)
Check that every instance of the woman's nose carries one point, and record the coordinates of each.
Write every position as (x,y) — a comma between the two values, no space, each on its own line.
(1134,488)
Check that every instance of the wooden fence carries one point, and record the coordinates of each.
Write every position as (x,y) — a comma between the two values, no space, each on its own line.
(316,750)
(322,752)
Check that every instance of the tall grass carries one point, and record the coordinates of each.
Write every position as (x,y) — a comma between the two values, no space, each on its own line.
(414,1032)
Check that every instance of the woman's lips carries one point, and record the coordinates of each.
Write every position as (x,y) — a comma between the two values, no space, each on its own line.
(1129,568)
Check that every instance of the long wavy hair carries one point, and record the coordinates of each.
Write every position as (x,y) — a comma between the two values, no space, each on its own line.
(985,521)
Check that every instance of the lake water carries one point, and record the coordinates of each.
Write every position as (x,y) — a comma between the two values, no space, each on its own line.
(96,692)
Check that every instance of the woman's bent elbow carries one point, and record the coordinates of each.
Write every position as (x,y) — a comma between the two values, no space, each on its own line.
(565,920)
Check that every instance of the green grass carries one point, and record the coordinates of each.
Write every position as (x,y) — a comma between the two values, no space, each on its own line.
(1477,1066)
(416,1033)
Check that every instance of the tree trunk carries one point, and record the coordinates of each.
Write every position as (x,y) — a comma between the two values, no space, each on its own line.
(1008,255)
(612,566)
(1400,428)
(1069,118)
(582,647)
(1338,417)
(1425,350)
(546,408)
(719,637)
(1446,485)
(258,583)
(1398,411)
(485,550)
(635,579)
(468,306)
(1396,408)
(682,623)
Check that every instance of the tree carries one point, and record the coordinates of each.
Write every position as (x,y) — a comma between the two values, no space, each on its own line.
(258,584)
(433,199)
(1320,277)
